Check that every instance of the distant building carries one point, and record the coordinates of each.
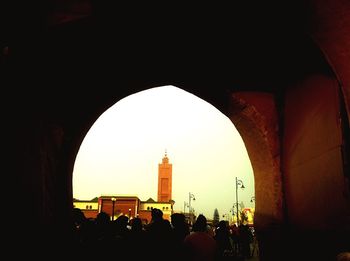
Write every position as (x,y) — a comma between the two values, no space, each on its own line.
(147,206)
(116,205)
(88,207)
(132,206)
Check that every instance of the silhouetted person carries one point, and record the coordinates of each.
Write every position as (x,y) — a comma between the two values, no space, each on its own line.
(225,250)
(137,226)
(89,234)
(121,235)
(120,228)
(180,231)
(137,240)
(159,234)
(199,245)
(78,221)
(180,227)
(104,233)
(235,238)
(78,217)
(245,237)
(80,232)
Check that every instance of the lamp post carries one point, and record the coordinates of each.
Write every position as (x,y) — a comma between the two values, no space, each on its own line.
(252,199)
(232,210)
(190,196)
(129,213)
(239,183)
(185,206)
(113,203)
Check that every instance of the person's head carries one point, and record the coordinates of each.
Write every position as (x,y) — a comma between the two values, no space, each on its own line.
(157,214)
(102,218)
(201,224)
(222,225)
(178,219)
(78,216)
(122,221)
(222,228)
(136,224)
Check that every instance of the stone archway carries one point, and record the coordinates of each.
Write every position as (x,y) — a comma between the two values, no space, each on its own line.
(259,132)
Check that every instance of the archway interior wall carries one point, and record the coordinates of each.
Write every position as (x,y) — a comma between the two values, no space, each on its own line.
(331,32)
(312,160)
(255,116)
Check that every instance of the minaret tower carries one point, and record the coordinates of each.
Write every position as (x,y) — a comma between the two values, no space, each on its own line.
(164,180)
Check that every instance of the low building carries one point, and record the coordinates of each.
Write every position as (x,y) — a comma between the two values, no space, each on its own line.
(115,205)
(147,206)
(90,208)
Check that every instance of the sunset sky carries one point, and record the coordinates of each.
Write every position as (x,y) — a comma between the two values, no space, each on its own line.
(121,152)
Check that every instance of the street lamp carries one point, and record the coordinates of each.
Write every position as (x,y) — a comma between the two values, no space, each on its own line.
(239,183)
(252,199)
(113,203)
(232,210)
(185,206)
(129,213)
(190,196)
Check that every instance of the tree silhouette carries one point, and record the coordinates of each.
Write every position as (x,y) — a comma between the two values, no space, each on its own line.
(216,217)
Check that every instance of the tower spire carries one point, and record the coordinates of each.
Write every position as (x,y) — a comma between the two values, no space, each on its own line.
(165,158)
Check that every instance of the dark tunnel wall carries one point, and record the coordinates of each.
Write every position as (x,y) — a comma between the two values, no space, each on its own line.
(312,142)
(59,77)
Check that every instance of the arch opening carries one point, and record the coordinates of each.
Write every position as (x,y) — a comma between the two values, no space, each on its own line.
(203,145)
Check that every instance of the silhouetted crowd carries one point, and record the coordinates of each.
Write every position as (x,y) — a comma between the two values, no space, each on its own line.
(161,239)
